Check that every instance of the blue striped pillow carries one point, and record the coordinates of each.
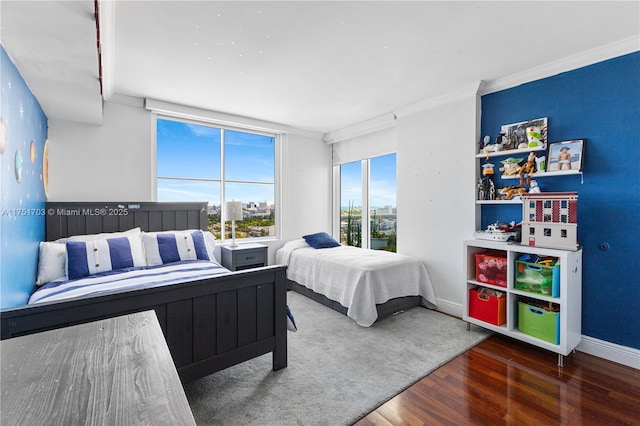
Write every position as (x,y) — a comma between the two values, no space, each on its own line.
(169,247)
(86,258)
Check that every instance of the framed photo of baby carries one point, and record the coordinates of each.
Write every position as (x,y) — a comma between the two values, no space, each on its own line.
(565,156)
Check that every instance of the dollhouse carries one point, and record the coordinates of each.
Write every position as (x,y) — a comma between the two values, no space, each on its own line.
(550,220)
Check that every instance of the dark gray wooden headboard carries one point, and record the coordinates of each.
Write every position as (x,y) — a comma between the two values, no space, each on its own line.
(74,218)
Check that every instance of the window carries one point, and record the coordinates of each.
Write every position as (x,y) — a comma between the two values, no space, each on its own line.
(202,162)
(351,204)
(368,203)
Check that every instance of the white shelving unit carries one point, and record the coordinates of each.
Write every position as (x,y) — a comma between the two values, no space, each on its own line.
(509,152)
(569,300)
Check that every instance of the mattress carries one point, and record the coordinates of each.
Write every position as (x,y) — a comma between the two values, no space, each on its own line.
(132,278)
(358,279)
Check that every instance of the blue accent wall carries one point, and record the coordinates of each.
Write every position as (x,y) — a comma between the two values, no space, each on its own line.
(23,132)
(600,103)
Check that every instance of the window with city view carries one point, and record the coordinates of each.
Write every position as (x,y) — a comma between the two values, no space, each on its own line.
(368,203)
(201,162)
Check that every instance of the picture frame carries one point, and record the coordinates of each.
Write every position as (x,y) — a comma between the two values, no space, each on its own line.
(515,133)
(566,156)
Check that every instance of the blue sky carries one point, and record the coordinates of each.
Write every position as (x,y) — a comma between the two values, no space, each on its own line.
(249,157)
(382,186)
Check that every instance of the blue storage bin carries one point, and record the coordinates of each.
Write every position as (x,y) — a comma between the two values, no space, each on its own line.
(539,279)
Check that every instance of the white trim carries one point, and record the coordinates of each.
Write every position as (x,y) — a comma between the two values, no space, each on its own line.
(125,100)
(589,57)
(198,114)
(449,308)
(154,156)
(610,351)
(453,96)
(388,120)
(106,14)
(590,345)
(380,122)
(365,181)
(335,210)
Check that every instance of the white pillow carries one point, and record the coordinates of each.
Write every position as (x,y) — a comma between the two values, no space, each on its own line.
(101,236)
(174,246)
(209,239)
(51,262)
(86,258)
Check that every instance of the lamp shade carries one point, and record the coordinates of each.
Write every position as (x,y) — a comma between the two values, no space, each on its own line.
(233,210)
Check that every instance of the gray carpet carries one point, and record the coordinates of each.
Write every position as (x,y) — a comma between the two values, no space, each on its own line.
(337,371)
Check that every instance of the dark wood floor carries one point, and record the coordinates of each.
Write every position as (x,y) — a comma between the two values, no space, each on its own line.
(503,381)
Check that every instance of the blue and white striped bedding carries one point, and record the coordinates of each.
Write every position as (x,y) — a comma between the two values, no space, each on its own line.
(128,279)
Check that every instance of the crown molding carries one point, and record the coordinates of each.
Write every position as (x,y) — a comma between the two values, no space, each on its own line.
(569,63)
(453,96)
(375,124)
(221,118)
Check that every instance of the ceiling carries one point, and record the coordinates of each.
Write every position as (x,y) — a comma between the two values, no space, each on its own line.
(313,65)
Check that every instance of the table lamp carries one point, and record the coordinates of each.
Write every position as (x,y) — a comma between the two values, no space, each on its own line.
(233,210)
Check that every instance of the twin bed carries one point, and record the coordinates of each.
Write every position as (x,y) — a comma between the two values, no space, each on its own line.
(212,318)
(366,285)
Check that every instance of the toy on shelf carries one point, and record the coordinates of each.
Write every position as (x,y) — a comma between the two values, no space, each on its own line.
(486,188)
(550,219)
(535,136)
(511,192)
(499,231)
(534,188)
(484,142)
(510,166)
(486,146)
(527,169)
(487,169)
(541,164)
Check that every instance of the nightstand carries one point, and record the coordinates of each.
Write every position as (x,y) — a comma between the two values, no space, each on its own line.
(244,256)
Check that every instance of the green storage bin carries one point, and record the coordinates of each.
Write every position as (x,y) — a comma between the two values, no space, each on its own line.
(537,322)
(540,279)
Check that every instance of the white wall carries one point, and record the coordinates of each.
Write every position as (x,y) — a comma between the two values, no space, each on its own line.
(435,169)
(111,162)
(436,191)
(116,162)
(306,186)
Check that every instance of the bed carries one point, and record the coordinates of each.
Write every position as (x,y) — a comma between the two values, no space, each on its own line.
(366,285)
(211,320)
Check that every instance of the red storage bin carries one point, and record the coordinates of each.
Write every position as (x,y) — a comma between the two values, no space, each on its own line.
(491,268)
(488,305)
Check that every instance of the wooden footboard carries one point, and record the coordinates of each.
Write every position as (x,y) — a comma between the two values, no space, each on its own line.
(209,324)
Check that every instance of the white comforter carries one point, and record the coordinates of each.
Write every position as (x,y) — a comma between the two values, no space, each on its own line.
(357,278)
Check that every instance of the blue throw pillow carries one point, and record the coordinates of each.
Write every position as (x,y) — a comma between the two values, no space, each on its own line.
(321,240)
(86,258)
(169,247)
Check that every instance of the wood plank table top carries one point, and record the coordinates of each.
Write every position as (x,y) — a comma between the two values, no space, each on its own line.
(116,371)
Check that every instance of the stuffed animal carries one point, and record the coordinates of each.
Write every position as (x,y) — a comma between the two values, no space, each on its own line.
(527,169)
(507,193)
(510,166)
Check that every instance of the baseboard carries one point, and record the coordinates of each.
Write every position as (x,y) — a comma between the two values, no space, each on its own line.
(449,308)
(610,351)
